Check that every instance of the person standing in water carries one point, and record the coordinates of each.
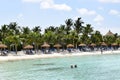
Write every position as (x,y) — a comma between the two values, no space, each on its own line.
(75,66)
(71,66)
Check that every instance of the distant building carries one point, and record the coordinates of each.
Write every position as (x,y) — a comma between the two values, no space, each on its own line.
(109,33)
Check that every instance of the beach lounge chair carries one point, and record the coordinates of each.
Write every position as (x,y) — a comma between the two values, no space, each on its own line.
(4,53)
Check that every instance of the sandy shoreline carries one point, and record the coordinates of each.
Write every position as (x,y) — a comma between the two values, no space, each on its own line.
(53,55)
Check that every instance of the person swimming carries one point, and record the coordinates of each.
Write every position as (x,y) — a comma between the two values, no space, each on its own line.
(73,66)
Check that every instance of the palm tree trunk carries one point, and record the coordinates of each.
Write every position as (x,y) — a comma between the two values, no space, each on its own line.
(35,47)
(76,45)
(16,48)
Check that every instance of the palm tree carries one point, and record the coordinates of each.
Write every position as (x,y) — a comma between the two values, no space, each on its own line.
(7,42)
(87,30)
(34,38)
(78,25)
(67,30)
(74,38)
(71,32)
(96,37)
(50,28)
(59,34)
(25,30)
(69,23)
(13,26)
(117,40)
(85,39)
(36,29)
(78,28)
(49,37)
(3,31)
(15,39)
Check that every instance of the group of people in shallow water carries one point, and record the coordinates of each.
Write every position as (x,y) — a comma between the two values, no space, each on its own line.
(73,66)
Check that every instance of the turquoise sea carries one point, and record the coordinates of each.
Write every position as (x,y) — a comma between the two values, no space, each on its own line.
(97,67)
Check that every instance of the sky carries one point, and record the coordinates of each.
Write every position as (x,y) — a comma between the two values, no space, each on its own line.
(103,15)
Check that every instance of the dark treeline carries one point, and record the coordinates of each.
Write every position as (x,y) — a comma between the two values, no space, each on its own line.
(72,32)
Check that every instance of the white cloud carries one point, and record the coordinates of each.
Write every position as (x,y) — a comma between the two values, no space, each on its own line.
(109,1)
(49,4)
(84,11)
(62,7)
(32,1)
(98,19)
(46,4)
(114,12)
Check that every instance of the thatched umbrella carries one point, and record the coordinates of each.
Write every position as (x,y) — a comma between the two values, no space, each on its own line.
(109,33)
(3,46)
(70,46)
(82,44)
(45,45)
(103,44)
(114,44)
(28,47)
(93,44)
(57,45)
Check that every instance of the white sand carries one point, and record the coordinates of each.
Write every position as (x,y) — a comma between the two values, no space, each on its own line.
(22,56)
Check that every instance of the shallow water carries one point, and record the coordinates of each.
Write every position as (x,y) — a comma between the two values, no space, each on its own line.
(97,67)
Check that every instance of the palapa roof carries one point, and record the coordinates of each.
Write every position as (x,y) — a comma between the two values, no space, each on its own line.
(70,45)
(3,46)
(114,44)
(93,44)
(109,33)
(45,45)
(57,45)
(82,44)
(103,44)
(28,47)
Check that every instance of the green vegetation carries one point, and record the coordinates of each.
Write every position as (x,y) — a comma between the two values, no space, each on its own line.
(72,32)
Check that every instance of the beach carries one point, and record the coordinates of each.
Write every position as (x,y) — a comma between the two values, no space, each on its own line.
(22,56)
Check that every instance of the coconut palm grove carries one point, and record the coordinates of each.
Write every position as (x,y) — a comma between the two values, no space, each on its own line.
(72,32)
